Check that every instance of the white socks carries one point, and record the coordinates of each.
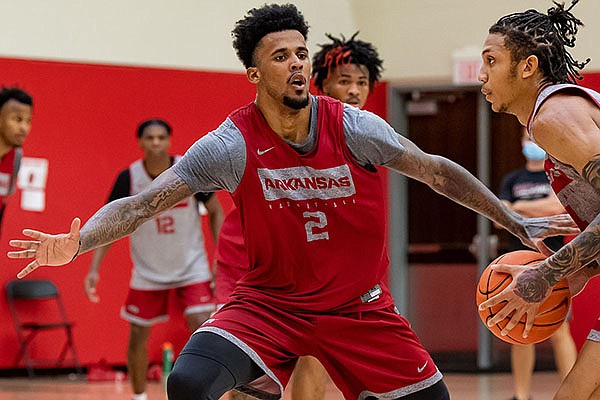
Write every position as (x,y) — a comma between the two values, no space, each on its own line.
(141,396)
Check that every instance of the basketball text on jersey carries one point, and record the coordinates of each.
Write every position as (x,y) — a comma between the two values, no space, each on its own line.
(305,183)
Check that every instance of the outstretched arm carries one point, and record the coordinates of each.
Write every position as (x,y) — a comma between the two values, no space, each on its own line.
(121,217)
(453,181)
(113,221)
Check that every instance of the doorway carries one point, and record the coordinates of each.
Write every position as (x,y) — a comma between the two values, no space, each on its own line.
(434,266)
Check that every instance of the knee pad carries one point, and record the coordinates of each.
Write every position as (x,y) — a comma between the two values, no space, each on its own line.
(197,377)
(207,367)
(439,391)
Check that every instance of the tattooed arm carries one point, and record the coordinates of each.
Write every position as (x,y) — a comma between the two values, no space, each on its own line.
(216,161)
(113,221)
(576,261)
(567,127)
(453,181)
(121,217)
(580,253)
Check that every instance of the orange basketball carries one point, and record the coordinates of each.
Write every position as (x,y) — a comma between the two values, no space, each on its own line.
(551,314)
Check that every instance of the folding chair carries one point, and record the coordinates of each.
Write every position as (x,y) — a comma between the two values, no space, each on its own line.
(36,306)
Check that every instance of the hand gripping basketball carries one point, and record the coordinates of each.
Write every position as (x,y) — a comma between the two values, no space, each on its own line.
(512,319)
(50,250)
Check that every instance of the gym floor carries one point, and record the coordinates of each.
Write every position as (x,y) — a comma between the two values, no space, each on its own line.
(493,386)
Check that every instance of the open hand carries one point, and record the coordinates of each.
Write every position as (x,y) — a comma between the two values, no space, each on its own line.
(46,249)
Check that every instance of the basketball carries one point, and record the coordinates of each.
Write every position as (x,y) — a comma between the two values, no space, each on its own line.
(551,313)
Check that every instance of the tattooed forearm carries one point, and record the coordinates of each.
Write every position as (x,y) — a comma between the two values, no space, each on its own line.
(113,221)
(582,251)
(559,265)
(593,266)
(121,217)
(163,199)
(455,182)
(591,171)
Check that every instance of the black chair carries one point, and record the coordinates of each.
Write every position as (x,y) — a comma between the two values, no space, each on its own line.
(36,306)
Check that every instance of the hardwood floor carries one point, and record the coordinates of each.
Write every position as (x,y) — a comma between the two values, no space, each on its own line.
(496,386)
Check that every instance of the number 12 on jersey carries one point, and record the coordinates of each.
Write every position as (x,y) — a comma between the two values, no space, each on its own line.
(165,225)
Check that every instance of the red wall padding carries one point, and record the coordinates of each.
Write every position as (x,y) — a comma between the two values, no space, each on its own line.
(85,117)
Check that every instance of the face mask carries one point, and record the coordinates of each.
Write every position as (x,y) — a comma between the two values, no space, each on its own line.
(533,152)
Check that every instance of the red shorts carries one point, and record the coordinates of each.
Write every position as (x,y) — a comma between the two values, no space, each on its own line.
(373,353)
(147,307)
(226,278)
(595,332)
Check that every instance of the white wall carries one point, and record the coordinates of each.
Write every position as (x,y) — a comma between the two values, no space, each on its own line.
(177,33)
(415,37)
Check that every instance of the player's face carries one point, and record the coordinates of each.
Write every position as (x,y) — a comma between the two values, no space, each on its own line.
(348,83)
(283,68)
(498,74)
(155,140)
(15,123)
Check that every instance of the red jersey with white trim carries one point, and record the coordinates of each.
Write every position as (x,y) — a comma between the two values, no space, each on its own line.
(9,168)
(7,173)
(317,220)
(580,199)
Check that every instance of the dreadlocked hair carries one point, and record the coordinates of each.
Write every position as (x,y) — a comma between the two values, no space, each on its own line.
(342,51)
(545,36)
(259,22)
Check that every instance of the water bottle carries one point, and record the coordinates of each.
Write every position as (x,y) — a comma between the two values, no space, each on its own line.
(167,359)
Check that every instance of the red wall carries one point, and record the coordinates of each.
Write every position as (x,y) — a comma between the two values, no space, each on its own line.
(84,123)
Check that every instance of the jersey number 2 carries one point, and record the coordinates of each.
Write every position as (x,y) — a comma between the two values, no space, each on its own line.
(315,225)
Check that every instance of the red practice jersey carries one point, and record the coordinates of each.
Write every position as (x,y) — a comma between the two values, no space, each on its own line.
(317,220)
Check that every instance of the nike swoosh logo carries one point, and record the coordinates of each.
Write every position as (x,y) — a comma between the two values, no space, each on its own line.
(261,152)
(420,369)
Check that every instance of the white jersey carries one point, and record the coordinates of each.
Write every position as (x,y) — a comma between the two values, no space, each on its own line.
(167,251)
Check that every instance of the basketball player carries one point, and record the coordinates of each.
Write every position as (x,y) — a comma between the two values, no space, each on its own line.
(346,70)
(301,171)
(16,107)
(527,71)
(527,191)
(168,254)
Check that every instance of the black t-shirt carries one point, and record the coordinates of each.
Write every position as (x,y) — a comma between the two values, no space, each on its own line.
(522,184)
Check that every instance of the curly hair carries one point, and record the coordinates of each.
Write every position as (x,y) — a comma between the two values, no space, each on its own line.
(15,93)
(260,22)
(545,36)
(342,51)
